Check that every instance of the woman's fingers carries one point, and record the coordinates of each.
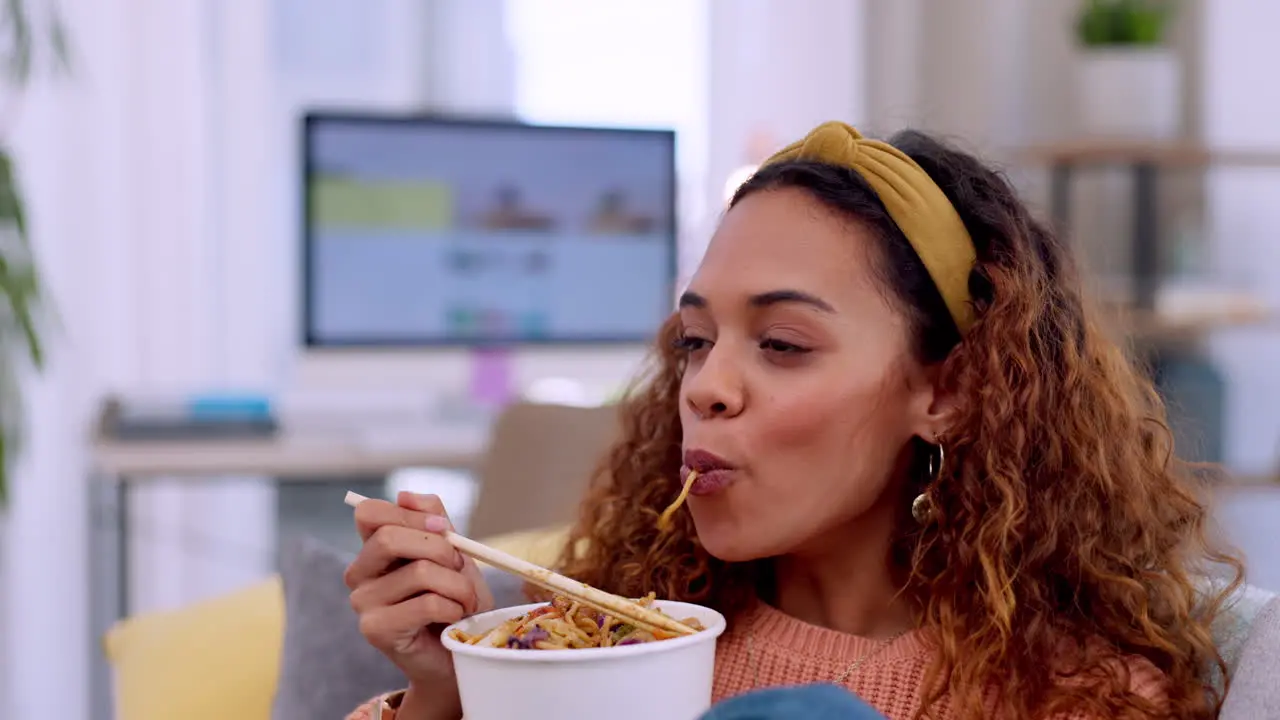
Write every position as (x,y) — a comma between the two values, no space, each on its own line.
(436,518)
(394,628)
(391,545)
(373,514)
(430,504)
(417,578)
(410,510)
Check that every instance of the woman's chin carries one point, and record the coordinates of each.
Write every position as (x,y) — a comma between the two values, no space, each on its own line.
(730,545)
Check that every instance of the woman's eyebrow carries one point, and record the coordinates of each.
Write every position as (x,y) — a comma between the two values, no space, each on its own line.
(775,297)
(765,299)
(692,300)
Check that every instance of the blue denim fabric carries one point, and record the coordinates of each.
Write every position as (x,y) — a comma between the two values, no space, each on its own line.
(810,702)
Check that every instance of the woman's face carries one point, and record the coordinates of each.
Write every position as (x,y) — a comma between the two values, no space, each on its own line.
(800,379)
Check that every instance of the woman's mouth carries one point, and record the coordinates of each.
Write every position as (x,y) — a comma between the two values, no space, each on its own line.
(711,482)
(714,472)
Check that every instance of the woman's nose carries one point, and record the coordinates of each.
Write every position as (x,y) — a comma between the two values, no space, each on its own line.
(715,388)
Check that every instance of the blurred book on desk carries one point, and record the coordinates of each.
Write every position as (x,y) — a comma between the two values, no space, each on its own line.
(211,416)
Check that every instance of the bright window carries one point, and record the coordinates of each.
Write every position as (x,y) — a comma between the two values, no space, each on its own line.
(628,63)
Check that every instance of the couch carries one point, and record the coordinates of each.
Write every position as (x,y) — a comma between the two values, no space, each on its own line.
(194,662)
(222,659)
(236,658)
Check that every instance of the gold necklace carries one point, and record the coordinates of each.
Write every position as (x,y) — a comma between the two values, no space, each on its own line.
(840,679)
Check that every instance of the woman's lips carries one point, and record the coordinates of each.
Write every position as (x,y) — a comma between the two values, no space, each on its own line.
(709,482)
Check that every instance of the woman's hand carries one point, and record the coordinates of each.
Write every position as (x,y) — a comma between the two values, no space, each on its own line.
(406,583)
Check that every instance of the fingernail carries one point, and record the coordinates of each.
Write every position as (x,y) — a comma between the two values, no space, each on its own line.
(436,524)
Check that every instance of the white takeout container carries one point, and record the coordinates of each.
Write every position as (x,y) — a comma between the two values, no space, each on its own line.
(664,680)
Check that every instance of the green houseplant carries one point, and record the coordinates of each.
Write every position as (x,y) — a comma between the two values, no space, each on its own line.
(1111,23)
(1129,80)
(30,30)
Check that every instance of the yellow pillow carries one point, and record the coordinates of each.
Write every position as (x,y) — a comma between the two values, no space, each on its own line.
(215,660)
(221,658)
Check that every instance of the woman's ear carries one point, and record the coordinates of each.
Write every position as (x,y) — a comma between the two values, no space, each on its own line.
(935,407)
(942,415)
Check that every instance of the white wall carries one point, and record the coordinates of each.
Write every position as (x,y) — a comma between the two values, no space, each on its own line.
(963,69)
(160,179)
(997,73)
(589,62)
(1246,517)
(776,69)
(39,551)
(1241,107)
(139,216)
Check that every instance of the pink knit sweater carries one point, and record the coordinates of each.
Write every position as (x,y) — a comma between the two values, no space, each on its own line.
(790,652)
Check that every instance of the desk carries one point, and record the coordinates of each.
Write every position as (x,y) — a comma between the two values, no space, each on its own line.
(118,466)
(287,455)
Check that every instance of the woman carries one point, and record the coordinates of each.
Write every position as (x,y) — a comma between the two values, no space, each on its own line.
(925,474)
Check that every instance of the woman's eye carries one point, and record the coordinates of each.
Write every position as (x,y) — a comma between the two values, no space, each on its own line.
(781,346)
(691,343)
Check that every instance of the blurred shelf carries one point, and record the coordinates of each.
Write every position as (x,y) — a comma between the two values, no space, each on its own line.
(1146,325)
(1248,483)
(1187,313)
(1178,153)
(1143,161)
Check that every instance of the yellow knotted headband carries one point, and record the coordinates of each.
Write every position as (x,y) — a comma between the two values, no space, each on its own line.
(914,201)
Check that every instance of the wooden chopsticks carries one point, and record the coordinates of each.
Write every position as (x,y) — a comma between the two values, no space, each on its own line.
(594,598)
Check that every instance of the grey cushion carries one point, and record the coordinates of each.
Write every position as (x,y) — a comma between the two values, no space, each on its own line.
(1254,693)
(1232,627)
(326,667)
(507,589)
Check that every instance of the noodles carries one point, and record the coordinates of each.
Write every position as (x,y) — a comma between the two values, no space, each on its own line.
(565,624)
(664,521)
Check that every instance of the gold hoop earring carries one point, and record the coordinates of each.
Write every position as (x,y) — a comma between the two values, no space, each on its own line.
(922,506)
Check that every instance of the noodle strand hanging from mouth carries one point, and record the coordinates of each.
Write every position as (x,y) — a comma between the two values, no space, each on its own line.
(664,521)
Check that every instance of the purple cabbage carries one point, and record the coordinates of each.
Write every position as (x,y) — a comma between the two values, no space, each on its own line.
(526,641)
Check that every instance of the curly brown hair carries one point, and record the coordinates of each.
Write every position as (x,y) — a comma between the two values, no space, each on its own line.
(1061,515)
